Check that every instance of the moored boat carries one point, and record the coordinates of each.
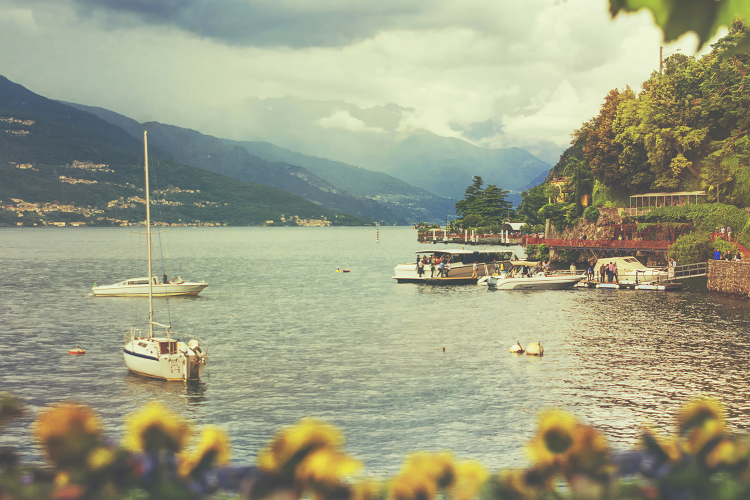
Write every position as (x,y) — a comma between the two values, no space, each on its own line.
(526,275)
(140,287)
(489,261)
(159,356)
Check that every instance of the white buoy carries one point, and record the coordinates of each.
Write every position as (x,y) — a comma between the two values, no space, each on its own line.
(535,349)
(516,348)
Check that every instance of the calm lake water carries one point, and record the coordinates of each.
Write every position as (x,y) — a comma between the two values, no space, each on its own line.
(289,337)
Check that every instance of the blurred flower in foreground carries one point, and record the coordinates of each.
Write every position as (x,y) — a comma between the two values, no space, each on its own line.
(368,489)
(470,478)
(555,435)
(700,421)
(517,484)
(422,476)
(68,433)
(10,407)
(291,445)
(213,449)
(154,428)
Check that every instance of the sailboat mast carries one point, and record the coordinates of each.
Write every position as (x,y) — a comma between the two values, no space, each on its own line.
(148,240)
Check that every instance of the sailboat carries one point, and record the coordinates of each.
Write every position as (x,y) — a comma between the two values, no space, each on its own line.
(153,352)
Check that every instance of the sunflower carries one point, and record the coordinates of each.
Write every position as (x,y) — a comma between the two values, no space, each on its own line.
(700,421)
(516,484)
(728,453)
(438,466)
(324,468)
(413,486)
(213,449)
(68,433)
(589,454)
(368,489)
(555,437)
(470,477)
(290,446)
(154,428)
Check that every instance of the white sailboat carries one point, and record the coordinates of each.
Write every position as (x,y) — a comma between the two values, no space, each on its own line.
(153,352)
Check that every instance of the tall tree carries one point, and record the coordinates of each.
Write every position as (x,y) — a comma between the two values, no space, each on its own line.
(465,205)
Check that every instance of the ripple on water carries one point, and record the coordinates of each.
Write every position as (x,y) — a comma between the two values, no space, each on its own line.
(289,337)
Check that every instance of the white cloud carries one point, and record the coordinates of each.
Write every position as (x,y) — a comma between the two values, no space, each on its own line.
(342,119)
(539,67)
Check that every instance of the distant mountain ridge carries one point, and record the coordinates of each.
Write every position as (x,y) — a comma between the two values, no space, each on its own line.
(334,185)
(374,139)
(56,159)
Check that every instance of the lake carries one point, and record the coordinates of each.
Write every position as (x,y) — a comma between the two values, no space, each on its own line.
(289,337)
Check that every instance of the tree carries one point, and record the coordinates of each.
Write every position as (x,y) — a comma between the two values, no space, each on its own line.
(489,205)
(579,179)
(531,201)
(464,206)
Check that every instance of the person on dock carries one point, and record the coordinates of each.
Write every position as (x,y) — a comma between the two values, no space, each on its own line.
(447,268)
(441,268)
(717,254)
(614,273)
(738,257)
(474,270)
(602,272)
(432,266)
(727,255)
(590,272)
(420,267)
(573,269)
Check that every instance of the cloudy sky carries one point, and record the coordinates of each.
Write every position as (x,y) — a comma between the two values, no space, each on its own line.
(502,73)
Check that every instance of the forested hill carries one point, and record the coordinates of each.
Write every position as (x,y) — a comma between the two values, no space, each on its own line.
(59,164)
(685,130)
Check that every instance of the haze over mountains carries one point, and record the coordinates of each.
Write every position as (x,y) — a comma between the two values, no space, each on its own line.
(420,163)
(375,139)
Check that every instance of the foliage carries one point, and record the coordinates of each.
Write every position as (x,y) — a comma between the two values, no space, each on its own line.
(483,206)
(528,229)
(591,213)
(706,217)
(605,197)
(531,201)
(565,255)
(702,461)
(579,181)
(557,213)
(691,248)
(704,17)
(537,252)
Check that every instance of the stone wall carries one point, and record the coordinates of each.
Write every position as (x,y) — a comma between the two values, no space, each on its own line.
(729,277)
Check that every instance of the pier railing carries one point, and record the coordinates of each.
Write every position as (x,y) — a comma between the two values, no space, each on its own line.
(632,245)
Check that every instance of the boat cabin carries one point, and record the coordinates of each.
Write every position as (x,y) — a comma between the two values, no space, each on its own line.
(461,256)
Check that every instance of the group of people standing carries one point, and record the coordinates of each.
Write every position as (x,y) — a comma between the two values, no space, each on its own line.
(440,264)
(607,273)
(727,256)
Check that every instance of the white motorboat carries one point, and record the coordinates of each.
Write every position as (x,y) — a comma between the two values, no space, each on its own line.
(159,356)
(489,261)
(525,275)
(140,287)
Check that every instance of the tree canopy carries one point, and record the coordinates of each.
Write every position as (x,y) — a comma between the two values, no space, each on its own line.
(486,206)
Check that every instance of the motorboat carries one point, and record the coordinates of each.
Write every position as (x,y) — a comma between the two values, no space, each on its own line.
(630,271)
(159,288)
(489,261)
(528,275)
(152,352)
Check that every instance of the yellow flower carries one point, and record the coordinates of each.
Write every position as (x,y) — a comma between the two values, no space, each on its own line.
(555,437)
(213,449)
(470,477)
(100,457)
(438,466)
(589,454)
(291,445)
(422,476)
(325,468)
(728,453)
(528,484)
(155,428)
(413,486)
(367,489)
(669,450)
(696,413)
(68,432)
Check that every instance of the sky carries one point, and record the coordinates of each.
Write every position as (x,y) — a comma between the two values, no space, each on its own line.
(499,73)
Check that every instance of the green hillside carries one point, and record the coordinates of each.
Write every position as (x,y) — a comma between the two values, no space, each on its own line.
(43,182)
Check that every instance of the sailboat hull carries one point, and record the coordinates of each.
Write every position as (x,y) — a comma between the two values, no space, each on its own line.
(160,290)
(143,357)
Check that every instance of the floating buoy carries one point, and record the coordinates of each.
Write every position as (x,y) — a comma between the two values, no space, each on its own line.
(338,270)
(77,350)
(535,349)
(516,349)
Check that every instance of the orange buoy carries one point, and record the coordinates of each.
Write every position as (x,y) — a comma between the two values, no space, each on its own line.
(77,350)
